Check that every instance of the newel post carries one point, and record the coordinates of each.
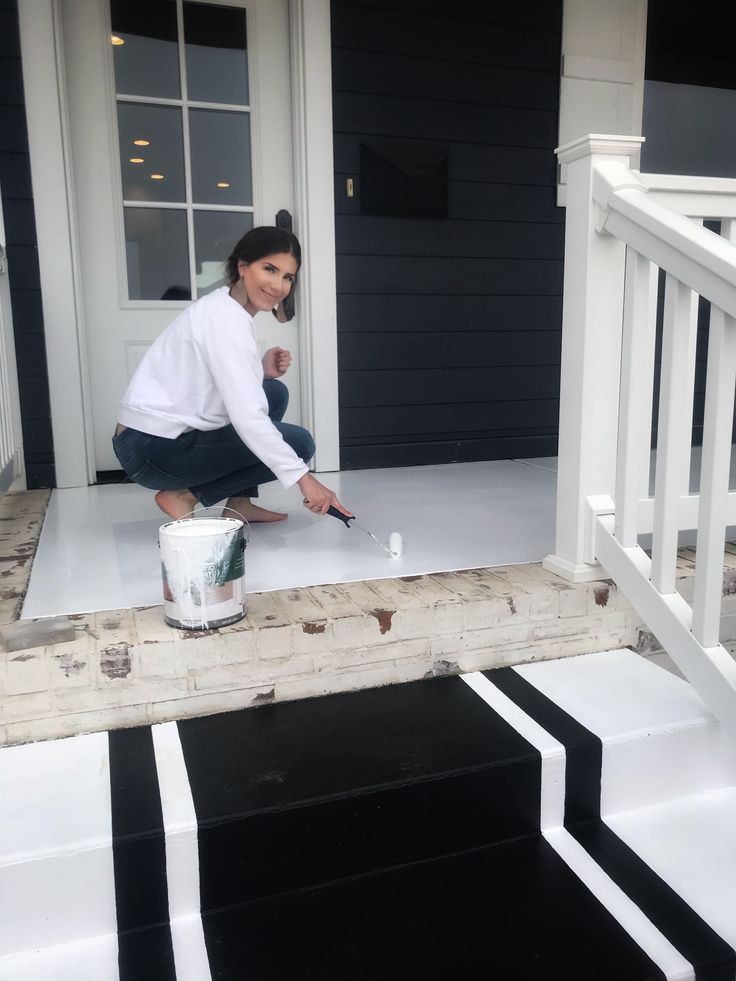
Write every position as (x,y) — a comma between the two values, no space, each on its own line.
(592,314)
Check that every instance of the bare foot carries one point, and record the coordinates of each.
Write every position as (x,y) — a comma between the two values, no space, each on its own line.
(176,503)
(251,512)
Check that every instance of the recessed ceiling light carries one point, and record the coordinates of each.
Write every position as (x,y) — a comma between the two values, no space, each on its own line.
(137,160)
(116,40)
(223,184)
(157,177)
(141,142)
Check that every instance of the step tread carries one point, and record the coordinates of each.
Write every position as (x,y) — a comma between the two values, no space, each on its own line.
(514,911)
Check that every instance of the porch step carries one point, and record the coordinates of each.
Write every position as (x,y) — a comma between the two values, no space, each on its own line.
(510,821)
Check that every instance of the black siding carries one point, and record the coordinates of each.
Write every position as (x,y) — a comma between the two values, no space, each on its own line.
(25,280)
(449,329)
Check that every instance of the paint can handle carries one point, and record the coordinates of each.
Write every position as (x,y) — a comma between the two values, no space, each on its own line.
(211,507)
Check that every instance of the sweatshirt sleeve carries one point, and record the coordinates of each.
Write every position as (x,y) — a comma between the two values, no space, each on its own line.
(229,349)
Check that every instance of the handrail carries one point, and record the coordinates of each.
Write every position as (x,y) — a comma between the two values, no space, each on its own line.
(697,257)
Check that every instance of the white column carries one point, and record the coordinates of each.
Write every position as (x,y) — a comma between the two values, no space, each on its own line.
(51,175)
(315,223)
(592,316)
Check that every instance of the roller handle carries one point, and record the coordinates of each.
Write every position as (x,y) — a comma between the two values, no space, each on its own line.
(346,519)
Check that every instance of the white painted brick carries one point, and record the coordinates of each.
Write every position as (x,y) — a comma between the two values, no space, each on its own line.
(114,627)
(413,623)
(209,703)
(237,646)
(573,602)
(124,695)
(158,659)
(448,618)
(380,627)
(19,708)
(494,636)
(398,595)
(68,670)
(274,641)
(364,597)
(348,632)
(372,676)
(150,625)
(334,603)
(312,637)
(464,584)
(430,590)
(301,606)
(600,597)
(266,610)
(447,646)
(26,672)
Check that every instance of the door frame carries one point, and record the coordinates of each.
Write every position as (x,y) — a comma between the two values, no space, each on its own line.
(314,223)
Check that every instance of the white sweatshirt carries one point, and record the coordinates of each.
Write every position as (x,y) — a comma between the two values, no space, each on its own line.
(203,373)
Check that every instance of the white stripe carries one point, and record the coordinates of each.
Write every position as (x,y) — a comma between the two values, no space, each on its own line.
(552,792)
(552,803)
(623,909)
(182,855)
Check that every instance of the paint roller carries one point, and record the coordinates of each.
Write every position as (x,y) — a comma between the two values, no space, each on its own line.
(395,543)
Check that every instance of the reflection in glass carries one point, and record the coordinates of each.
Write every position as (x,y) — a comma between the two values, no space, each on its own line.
(215,235)
(160,126)
(147,63)
(216,54)
(157,254)
(220,142)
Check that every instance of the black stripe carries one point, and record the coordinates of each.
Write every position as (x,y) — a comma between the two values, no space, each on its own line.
(712,958)
(583,749)
(139,858)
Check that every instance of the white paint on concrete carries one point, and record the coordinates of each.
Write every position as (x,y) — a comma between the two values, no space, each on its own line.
(86,960)
(624,910)
(98,549)
(55,819)
(690,844)
(659,739)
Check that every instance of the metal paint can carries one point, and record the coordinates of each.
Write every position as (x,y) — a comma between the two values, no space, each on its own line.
(203,570)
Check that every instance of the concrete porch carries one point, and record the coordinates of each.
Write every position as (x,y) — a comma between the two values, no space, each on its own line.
(126,667)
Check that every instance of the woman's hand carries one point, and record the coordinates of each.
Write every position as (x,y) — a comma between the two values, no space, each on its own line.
(276,362)
(317,497)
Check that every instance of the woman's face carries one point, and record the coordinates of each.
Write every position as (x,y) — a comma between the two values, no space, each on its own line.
(267,281)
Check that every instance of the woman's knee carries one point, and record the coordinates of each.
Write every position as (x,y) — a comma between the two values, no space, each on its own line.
(301,442)
(277,395)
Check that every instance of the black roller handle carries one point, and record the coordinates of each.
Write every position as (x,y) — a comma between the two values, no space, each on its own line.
(345,518)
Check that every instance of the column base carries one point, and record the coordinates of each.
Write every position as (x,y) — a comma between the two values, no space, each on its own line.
(574,572)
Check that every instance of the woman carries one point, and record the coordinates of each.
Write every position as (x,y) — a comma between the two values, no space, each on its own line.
(201,420)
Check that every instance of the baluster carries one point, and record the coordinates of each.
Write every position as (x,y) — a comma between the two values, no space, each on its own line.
(714,470)
(674,434)
(637,381)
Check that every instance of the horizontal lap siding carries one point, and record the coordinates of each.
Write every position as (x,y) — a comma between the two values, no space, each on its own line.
(449,329)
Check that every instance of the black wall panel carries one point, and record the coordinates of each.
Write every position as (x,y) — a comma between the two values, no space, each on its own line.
(25,281)
(449,329)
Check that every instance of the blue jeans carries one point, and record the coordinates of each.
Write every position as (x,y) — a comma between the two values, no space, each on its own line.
(212,464)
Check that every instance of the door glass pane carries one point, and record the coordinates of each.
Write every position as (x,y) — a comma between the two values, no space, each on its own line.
(157,254)
(216,54)
(154,171)
(220,149)
(215,235)
(145,48)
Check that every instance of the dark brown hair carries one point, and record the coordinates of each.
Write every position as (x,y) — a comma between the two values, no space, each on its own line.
(262,241)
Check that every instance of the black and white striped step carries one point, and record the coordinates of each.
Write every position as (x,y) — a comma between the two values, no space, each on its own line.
(305,829)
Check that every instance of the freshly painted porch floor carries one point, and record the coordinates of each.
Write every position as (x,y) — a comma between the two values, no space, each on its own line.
(567,819)
(98,548)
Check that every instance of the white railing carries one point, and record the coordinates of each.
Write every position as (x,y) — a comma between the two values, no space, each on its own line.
(623,228)
(11,456)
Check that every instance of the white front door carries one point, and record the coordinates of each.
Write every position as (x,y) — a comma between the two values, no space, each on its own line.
(180,133)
